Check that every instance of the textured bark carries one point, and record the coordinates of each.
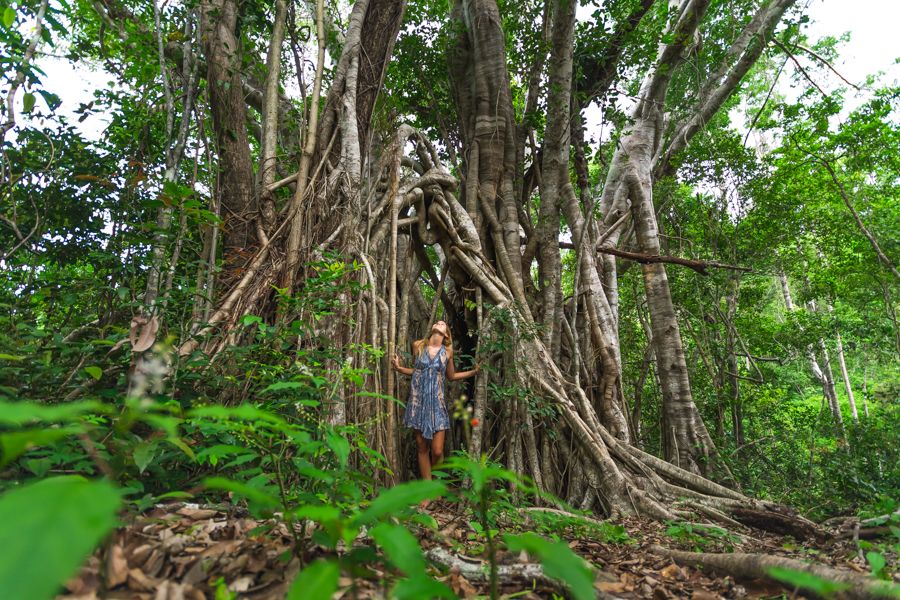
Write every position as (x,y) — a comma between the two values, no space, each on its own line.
(271,99)
(219,19)
(758,566)
(634,167)
(555,167)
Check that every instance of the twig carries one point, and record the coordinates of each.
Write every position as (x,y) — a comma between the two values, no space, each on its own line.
(822,60)
(799,66)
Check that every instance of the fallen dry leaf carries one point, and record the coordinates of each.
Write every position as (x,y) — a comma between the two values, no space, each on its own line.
(116,567)
(705,595)
(673,571)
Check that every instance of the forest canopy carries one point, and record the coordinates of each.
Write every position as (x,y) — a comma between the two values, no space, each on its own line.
(663,234)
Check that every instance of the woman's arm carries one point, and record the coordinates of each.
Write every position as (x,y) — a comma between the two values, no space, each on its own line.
(453,375)
(395,361)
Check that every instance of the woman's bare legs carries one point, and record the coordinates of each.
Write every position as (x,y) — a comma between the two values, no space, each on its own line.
(437,448)
(426,461)
(422,456)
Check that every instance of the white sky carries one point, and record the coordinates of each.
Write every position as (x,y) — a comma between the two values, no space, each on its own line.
(874,47)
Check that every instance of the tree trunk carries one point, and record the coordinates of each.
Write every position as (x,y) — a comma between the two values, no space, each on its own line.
(822,375)
(846,376)
(555,167)
(219,19)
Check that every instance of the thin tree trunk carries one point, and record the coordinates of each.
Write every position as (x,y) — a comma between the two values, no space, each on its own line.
(269,139)
(822,375)
(554,169)
(846,377)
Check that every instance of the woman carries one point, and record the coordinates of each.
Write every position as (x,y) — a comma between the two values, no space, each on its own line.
(426,411)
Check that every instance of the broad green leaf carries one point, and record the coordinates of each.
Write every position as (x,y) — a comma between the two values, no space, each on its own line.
(255,495)
(27,102)
(318,512)
(401,496)
(400,546)
(422,586)
(49,529)
(15,443)
(807,581)
(340,446)
(244,412)
(214,453)
(21,413)
(95,372)
(284,385)
(144,453)
(9,17)
(250,319)
(10,357)
(558,562)
(179,443)
(876,562)
(318,581)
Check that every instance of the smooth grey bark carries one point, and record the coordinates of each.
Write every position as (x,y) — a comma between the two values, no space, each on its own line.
(851,399)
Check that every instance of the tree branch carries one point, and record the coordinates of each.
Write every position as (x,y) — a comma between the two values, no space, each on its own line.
(700,266)
(720,84)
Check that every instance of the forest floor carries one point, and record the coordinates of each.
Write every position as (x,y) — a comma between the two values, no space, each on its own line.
(191,552)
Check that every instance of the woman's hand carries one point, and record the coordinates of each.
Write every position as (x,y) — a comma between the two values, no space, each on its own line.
(395,362)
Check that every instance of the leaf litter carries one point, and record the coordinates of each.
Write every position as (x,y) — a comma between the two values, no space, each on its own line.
(188,552)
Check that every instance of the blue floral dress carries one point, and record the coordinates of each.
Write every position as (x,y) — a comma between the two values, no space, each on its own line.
(426,410)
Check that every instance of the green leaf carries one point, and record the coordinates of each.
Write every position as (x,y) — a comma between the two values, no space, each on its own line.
(876,562)
(250,319)
(558,562)
(400,546)
(284,385)
(398,497)
(318,581)
(807,581)
(144,454)
(340,446)
(27,102)
(95,372)
(319,513)
(49,529)
(9,17)
(255,495)
(15,443)
(422,586)
(10,357)
(22,413)
(214,453)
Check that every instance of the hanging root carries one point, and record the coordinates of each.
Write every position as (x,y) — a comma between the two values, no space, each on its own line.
(758,566)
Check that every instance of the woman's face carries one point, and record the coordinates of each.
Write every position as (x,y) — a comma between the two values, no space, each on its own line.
(441,328)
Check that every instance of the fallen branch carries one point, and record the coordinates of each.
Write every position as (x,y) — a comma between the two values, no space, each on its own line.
(700,266)
(756,566)
(475,570)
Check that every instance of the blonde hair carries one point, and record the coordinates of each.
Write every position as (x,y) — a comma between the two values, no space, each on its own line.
(423,343)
